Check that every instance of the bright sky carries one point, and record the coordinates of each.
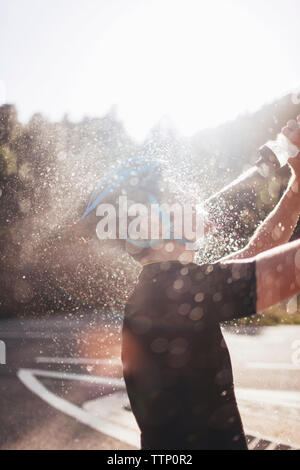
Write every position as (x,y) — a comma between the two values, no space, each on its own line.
(200,62)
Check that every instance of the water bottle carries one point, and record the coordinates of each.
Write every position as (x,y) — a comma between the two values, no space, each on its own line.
(280,149)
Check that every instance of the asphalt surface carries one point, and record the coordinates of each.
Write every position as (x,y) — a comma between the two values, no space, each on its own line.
(62,387)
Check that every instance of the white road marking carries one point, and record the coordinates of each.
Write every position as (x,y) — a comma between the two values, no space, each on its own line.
(262,339)
(92,379)
(78,361)
(253,444)
(272,446)
(27,335)
(112,408)
(272,366)
(273,441)
(28,378)
(106,414)
(270,397)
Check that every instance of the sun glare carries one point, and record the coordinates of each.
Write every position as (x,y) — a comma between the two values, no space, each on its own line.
(201,63)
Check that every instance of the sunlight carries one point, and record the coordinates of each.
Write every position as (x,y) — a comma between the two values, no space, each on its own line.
(167,58)
(199,62)
(2,92)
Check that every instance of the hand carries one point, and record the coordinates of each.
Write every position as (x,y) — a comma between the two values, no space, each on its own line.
(292,132)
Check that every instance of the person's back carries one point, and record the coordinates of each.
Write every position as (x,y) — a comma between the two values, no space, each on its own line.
(176,364)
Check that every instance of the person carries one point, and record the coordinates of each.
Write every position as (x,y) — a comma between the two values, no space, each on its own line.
(177,366)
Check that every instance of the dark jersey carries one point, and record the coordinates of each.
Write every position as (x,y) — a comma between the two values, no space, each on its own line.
(176,363)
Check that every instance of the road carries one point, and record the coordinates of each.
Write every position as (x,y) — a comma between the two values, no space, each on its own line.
(62,386)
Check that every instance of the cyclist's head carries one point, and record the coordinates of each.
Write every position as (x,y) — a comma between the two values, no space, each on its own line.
(142,210)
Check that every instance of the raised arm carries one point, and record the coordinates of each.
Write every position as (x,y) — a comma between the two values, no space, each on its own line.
(278,275)
(279,226)
(261,282)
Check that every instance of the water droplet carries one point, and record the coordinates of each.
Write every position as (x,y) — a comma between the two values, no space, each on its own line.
(199,297)
(196,314)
